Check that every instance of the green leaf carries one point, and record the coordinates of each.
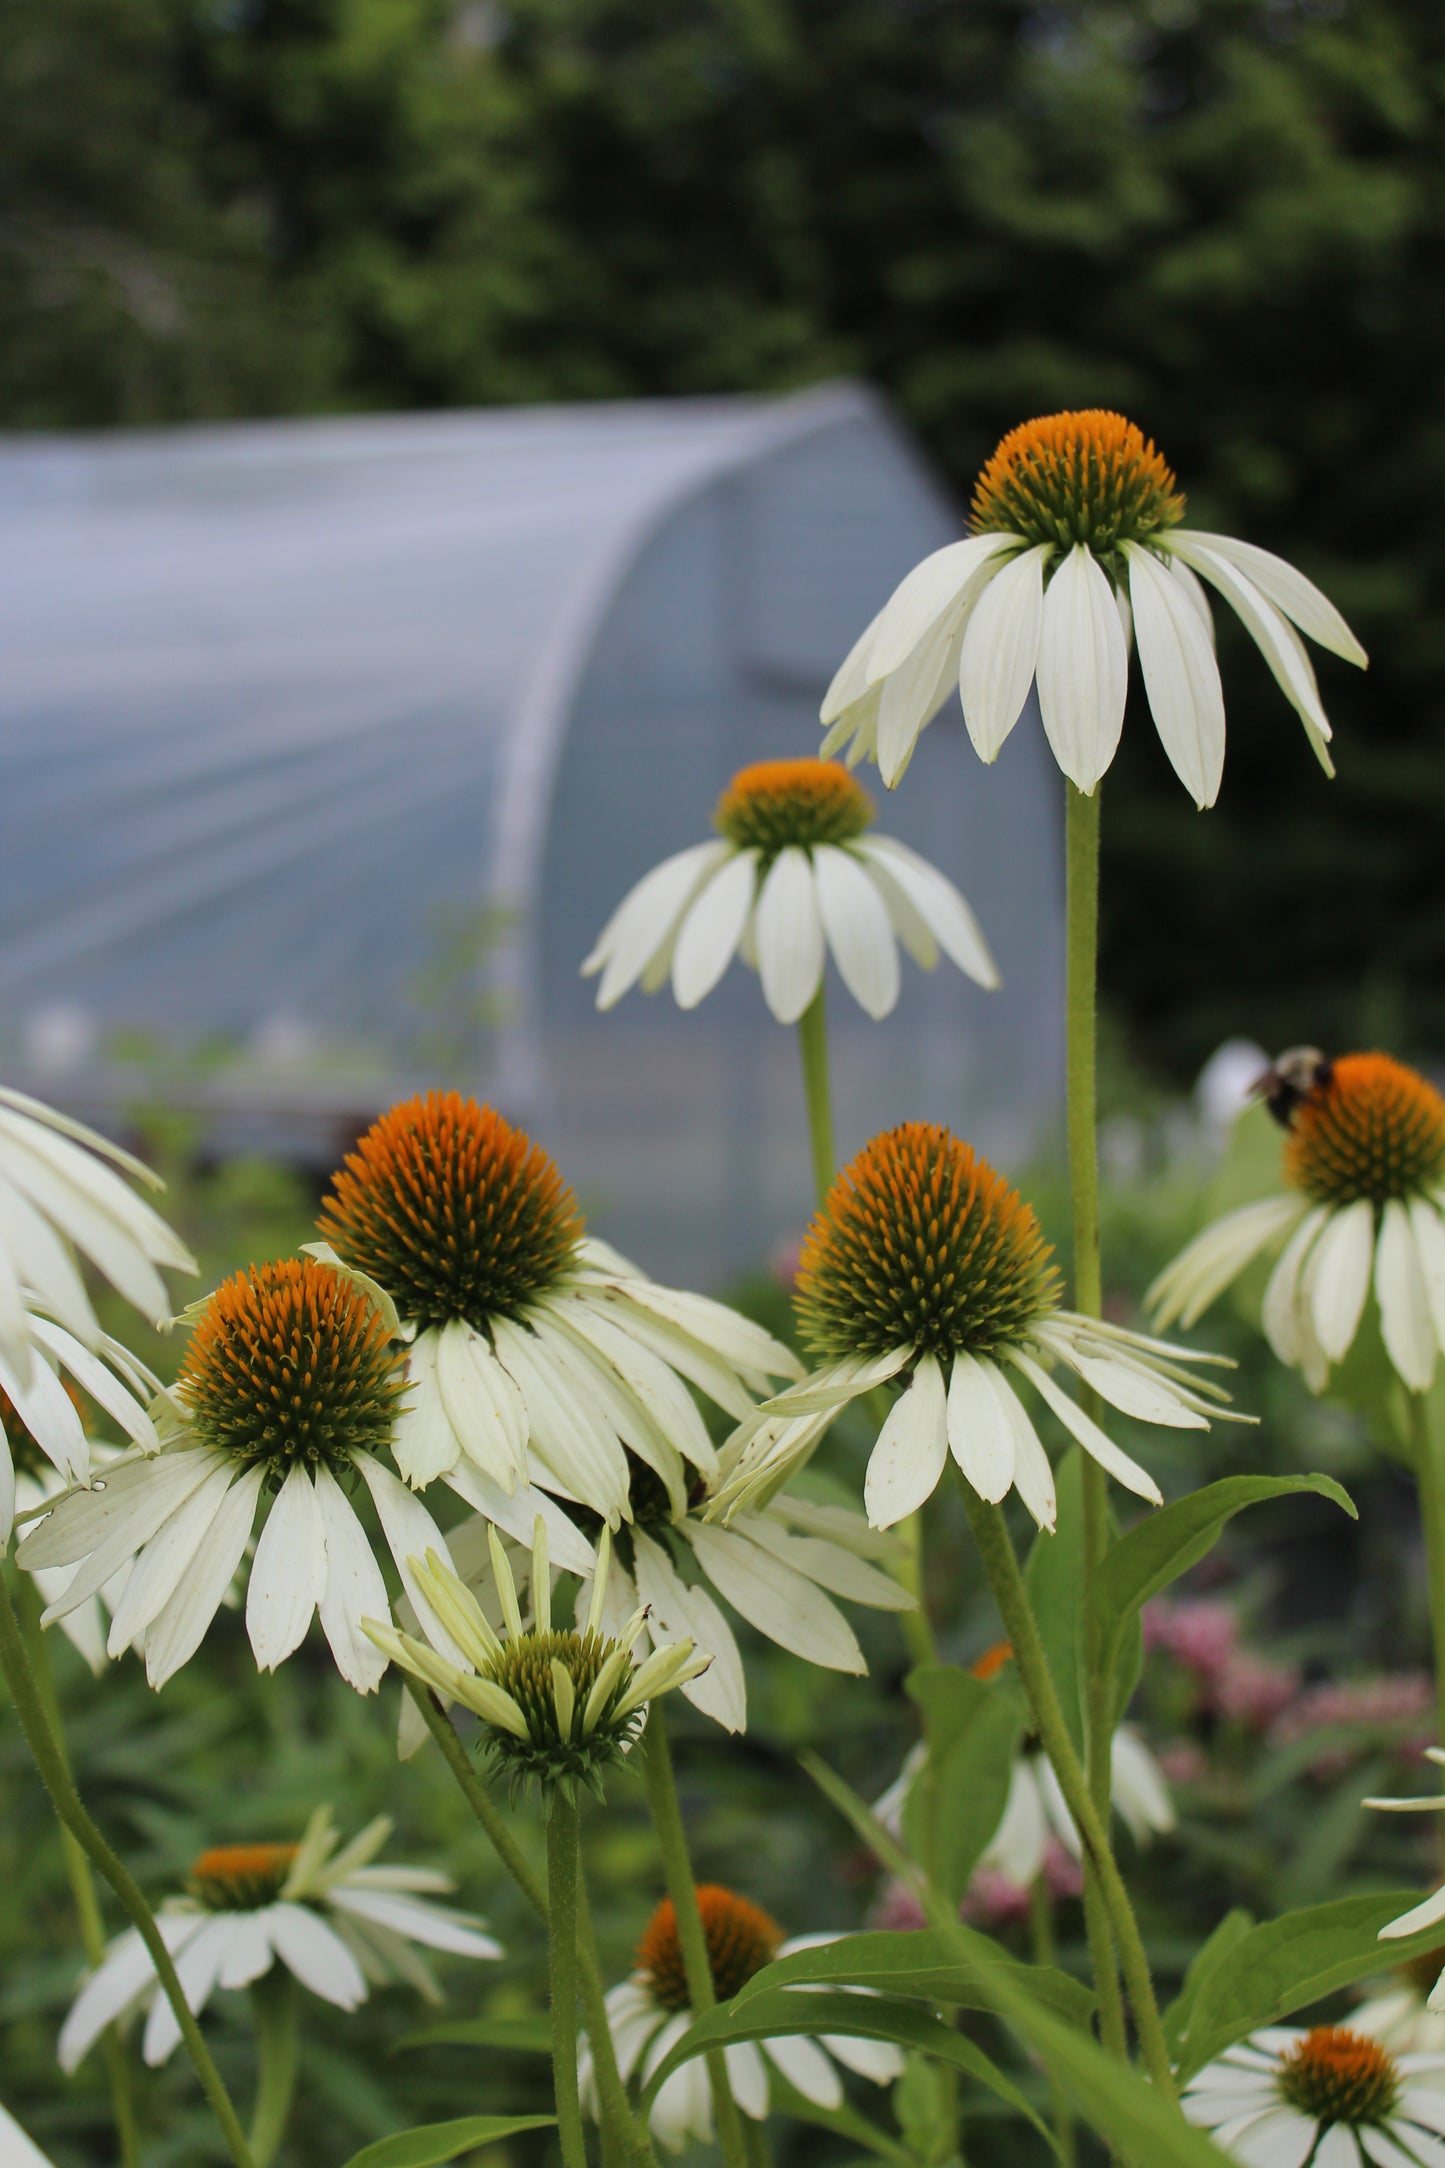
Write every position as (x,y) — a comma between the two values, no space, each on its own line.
(956,1966)
(959,1796)
(782,2013)
(1155,1553)
(1288,1963)
(520,2035)
(429,2144)
(1230,1930)
(1055,1580)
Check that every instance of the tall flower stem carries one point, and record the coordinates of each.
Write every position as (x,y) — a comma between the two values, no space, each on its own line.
(55,1776)
(1041,1937)
(621,2132)
(562,1876)
(82,1884)
(273,2005)
(657,1772)
(1429,1455)
(995,1548)
(1081,1004)
(817,1091)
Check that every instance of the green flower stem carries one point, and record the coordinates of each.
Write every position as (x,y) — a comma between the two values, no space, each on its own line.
(755,2140)
(82,1882)
(1081,866)
(990,1533)
(620,2129)
(662,1799)
(813,1044)
(54,1774)
(563,1859)
(273,2005)
(1041,1937)
(1429,1455)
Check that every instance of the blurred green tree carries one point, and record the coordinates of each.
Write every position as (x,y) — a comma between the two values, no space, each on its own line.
(1226,216)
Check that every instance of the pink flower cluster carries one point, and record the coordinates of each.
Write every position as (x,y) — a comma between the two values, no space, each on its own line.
(1236,1683)
(991,1899)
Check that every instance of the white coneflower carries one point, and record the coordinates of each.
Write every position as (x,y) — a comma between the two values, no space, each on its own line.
(40,1413)
(1329,2098)
(649,2012)
(537,1355)
(1076,527)
(334,1920)
(923,1264)
(557,1706)
(288,1393)
(58,1195)
(795,875)
(1365,1208)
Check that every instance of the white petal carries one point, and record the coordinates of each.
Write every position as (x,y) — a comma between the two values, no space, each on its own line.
(196,1968)
(1000,651)
(1336,1278)
(1181,675)
(645,919)
(1427,1913)
(1083,672)
(1033,1477)
(126,1972)
(1016,1848)
(486,1412)
(938,903)
(317,1955)
(104,1388)
(1337,2148)
(980,1434)
(1275,638)
(849,682)
(248,1954)
(1138,1788)
(878,2060)
(165,1558)
(855,920)
(567,1436)
(1191,586)
(748,2078)
(1429,1232)
(830,1565)
(354,1587)
(805,2066)
(680,1613)
(436,1926)
(663,1397)
(912,695)
(708,937)
(1289,591)
(1129,1387)
(1090,1436)
(1287,1327)
(94,1208)
(425,1442)
(931,590)
(516,1514)
(177,1633)
(912,1449)
(288,1572)
(410,1533)
(779,1602)
(49,1414)
(1207,1265)
(1400,1290)
(789,936)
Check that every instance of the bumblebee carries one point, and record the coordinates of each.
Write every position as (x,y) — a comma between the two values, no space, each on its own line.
(1298,1073)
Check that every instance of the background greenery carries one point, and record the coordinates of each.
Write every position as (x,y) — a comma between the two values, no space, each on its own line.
(1226,216)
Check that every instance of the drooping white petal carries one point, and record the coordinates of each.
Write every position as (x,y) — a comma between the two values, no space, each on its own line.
(778,1601)
(1429,1232)
(435,1926)
(425,1441)
(850,680)
(1094,1441)
(707,939)
(288,1572)
(680,1613)
(354,1587)
(789,936)
(1138,1788)
(833,1567)
(104,1388)
(125,1973)
(175,1635)
(1192,586)
(105,1528)
(1001,650)
(83,1205)
(1275,638)
(855,920)
(1083,669)
(746,1346)
(912,695)
(158,1569)
(912,1448)
(1289,591)
(980,1435)
(515,1513)
(1282,1315)
(805,2066)
(1016,1848)
(248,1954)
(932,590)
(1336,1276)
(646,918)
(1033,1476)
(410,1533)
(1207,1265)
(653,1383)
(1128,1386)
(196,1968)
(567,1437)
(1426,1914)
(485,1410)
(748,2078)
(597,1384)
(1405,1319)
(49,1414)
(938,903)
(1181,675)
(317,1955)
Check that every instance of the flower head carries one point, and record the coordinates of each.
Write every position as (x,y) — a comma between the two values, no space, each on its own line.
(1332,2096)
(924,1265)
(1077,535)
(649,2013)
(1363,1207)
(537,1357)
(796,876)
(329,1916)
(557,1706)
(287,1397)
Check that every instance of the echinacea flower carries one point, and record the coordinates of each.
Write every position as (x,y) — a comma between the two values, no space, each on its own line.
(334,1920)
(535,1355)
(649,2012)
(556,1705)
(923,1264)
(57,1196)
(795,875)
(287,1398)
(1329,2098)
(1364,1161)
(1076,528)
